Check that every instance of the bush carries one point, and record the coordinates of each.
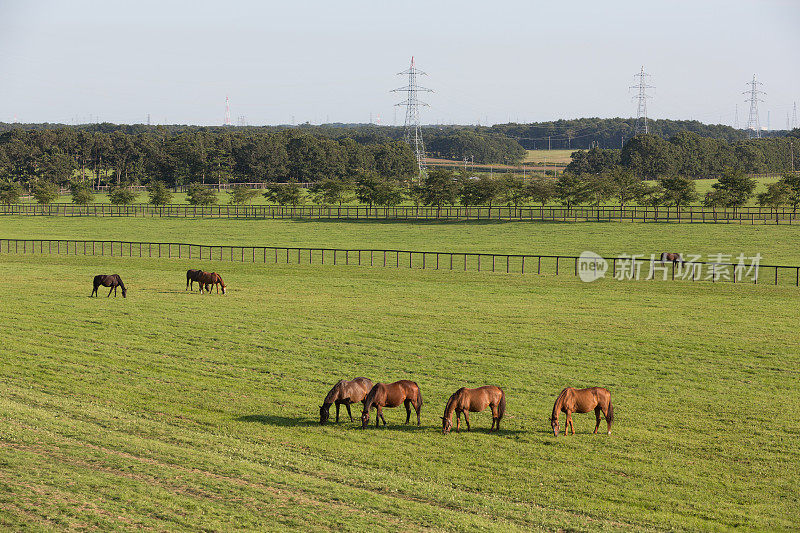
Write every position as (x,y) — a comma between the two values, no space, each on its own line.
(81,194)
(201,195)
(121,196)
(45,192)
(159,194)
(10,193)
(242,195)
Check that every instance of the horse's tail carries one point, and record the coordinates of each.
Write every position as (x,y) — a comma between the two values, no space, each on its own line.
(501,408)
(610,412)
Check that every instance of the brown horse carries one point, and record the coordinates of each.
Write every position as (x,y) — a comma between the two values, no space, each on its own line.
(392,395)
(108,280)
(466,400)
(671,257)
(582,401)
(191,277)
(208,280)
(344,393)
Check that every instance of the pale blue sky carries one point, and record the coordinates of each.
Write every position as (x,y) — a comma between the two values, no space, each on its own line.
(336,61)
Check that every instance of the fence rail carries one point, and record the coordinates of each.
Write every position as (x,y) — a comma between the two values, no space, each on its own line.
(688,215)
(429,260)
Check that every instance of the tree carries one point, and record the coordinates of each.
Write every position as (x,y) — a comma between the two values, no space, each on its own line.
(570,189)
(10,193)
(648,156)
(439,187)
(512,190)
(159,194)
(45,192)
(81,193)
(478,191)
(793,182)
(653,196)
(329,191)
(776,195)
(242,195)
(734,188)
(599,187)
(201,195)
(121,196)
(541,190)
(626,186)
(678,190)
(285,193)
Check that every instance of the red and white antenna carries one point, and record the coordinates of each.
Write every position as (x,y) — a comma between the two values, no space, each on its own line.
(227,111)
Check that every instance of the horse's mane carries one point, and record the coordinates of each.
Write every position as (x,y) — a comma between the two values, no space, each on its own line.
(119,279)
(559,403)
(330,398)
(370,398)
(451,404)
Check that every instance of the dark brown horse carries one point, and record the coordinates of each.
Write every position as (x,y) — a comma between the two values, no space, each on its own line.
(466,400)
(392,395)
(208,280)
(344,393)
(108,280)
(671,257)
(191,277)
(582,401)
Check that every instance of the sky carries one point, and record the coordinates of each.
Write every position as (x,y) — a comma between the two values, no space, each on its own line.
(487,62)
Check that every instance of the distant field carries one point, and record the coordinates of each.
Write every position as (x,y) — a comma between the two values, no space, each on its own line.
(549,156)
(777,244)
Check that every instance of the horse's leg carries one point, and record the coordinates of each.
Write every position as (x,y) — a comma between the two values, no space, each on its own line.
(495,421)
(337,411)
(458,421)
(348,411)
(568,424)
(110,291)
(407,403)
(466,419)
(597,415)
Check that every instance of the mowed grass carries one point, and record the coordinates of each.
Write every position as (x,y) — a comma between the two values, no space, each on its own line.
(172,410)
(549,156)
(776,244)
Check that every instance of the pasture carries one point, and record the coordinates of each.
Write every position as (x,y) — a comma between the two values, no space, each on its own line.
(172,410)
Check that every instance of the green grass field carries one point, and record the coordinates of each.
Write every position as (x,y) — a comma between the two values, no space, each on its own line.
(171,410)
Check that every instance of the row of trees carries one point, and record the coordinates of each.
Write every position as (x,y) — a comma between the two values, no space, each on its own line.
(689,154)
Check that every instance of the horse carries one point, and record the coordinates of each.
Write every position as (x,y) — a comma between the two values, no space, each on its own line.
(208,280)
(191,277)
(344,392)
(671,257)
(108,280)
(466,400)
(582,401)
(392,395)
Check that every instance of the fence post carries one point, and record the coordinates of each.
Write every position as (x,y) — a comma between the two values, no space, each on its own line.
(557,258)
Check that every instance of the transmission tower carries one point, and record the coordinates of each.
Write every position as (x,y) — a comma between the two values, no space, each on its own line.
(753,123)
(641,111)
(227,112)
(412,104)
(794,115)
(736,118)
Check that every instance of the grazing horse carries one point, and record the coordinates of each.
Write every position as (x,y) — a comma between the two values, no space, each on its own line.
(108,280)
(671,257)
(191,277)
(392,395)
(582,401)
(208,280)
(466,400)
(344,392)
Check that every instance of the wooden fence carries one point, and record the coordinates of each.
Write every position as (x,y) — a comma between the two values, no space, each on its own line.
(688,215)
(431,260)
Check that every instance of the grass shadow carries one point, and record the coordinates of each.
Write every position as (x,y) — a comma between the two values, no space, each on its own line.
(274,420)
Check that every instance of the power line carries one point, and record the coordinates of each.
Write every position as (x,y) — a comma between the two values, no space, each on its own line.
(753,123)
(412,104)
(641,110)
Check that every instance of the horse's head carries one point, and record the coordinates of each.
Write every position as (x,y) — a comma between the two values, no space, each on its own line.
(124,292)
(324,414)
(554,425)
(364,419)
(447,425)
